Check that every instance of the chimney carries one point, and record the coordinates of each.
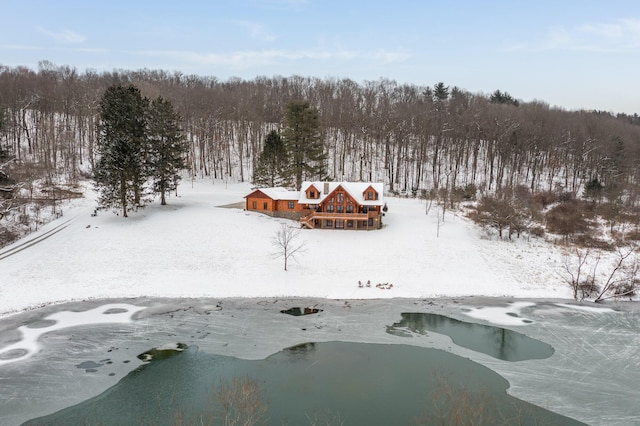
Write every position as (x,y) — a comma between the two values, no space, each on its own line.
(326,188)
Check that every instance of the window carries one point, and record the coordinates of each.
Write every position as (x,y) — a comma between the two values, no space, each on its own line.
(329,208)
(290,204)
(340,223)
(349,208)
(369,195)
(264,206)
(349,224)
(254,205)
(328,223)
(331,200)
(312,194)
(340,208)
(370,221)
(340,197)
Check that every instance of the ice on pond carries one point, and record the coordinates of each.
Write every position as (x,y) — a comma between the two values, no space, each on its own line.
(117,313)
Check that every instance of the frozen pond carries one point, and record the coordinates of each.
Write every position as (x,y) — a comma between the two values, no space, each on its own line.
(50,361)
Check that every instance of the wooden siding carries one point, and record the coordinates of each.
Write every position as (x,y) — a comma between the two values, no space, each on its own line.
(283,206)
(262,203)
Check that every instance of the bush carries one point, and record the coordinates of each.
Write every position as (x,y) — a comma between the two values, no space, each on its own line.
(588,289)
(626,289)
(633,235)
(537,231)
(544,199)
(588,241)
(466,193)
(567,219)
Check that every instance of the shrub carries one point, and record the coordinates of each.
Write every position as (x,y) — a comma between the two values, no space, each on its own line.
(544,199)
(588,241)
(537,231)
(567,219)
(626,289)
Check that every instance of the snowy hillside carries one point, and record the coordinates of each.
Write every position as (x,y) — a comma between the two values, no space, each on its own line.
(194,247)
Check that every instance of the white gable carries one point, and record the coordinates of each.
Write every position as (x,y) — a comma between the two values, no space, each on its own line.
(355,189)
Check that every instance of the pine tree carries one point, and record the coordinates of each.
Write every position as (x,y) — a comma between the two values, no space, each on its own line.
(120,172)
(167,147)
(272,165)
(302,139)
(440,92)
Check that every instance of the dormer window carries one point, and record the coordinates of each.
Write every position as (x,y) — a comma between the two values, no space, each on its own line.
(369,195)
(312,194)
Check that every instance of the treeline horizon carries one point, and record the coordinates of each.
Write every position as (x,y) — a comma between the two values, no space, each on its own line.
(413,138)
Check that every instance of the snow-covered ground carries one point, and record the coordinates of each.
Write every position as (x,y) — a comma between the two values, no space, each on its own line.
(194,247)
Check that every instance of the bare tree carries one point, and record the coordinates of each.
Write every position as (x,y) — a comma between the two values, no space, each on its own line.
(614,279)
(574,269)
(285,243)
(242,402)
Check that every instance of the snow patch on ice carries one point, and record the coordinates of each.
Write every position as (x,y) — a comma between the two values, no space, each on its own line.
(501,315)
(117,313)
(585,308)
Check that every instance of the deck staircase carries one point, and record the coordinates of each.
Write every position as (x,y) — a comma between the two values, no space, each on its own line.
(308,221)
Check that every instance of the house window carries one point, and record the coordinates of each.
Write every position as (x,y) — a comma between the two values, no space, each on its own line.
(340,208)
(290,204)
(349,224)
(349,208)
(264,206)
(312,194)
(254,205)
(331,200)
(369,195)
(329,208)
(370,221)
(328,223)
(340,197)
(340,223)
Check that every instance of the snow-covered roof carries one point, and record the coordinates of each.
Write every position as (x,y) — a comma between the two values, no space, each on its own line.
(355,189)
(279,193)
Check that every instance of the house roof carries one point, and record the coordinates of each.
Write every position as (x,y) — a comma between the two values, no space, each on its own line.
(355,189)
(279,193)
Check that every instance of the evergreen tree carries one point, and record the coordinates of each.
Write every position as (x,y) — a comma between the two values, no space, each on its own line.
(499,97)
(272,165)
(120,171)
(440,92)
(167,147)
(302,139)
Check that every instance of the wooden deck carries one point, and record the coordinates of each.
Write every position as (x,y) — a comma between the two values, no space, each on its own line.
(309,219)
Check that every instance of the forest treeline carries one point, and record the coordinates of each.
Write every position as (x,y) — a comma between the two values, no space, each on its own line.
(414,138)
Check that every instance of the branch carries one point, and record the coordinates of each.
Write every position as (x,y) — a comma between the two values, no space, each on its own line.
(610,281)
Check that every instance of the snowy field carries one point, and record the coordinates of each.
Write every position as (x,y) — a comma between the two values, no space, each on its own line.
(194,247)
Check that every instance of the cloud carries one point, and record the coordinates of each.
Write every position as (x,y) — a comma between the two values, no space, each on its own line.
(257,31)
(252,58)
(65,36)
(622,35)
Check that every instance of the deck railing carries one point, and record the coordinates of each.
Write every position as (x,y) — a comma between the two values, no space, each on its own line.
(342,215)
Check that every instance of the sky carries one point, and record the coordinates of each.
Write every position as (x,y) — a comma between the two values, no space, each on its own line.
(573,54)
